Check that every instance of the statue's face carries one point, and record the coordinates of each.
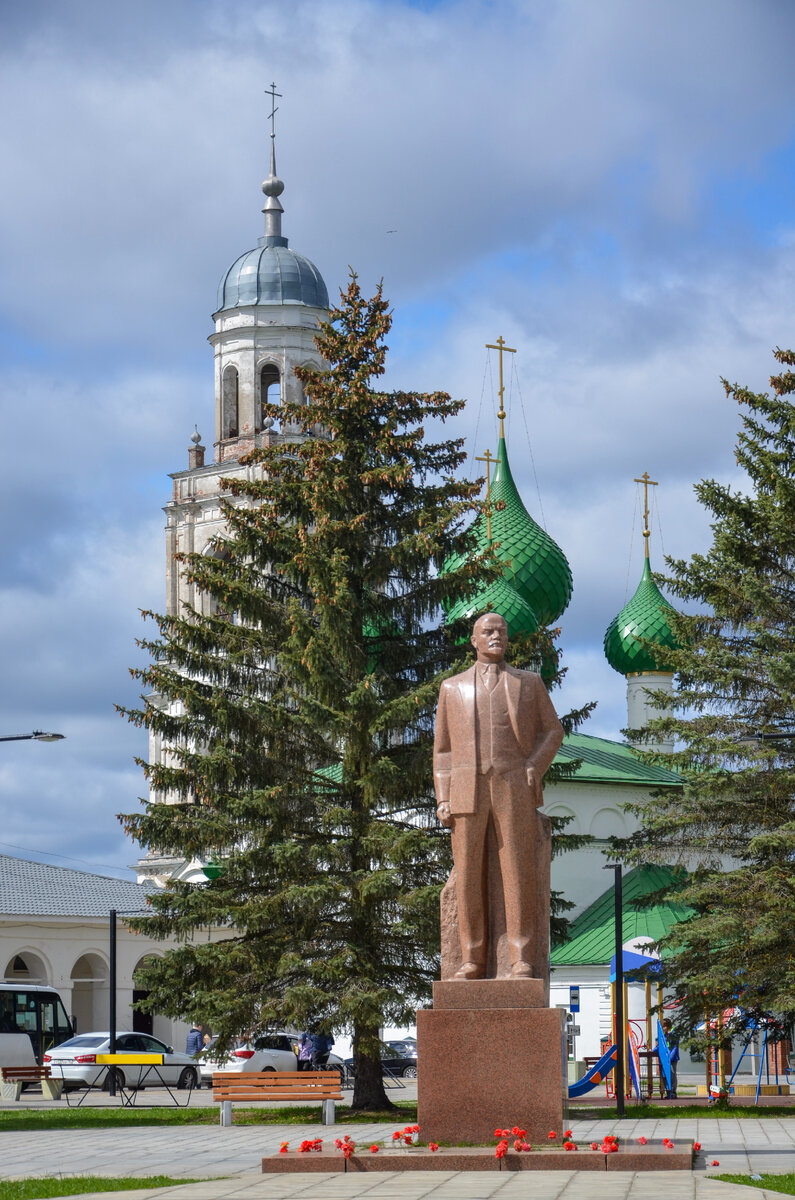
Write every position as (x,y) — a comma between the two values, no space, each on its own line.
(490,638)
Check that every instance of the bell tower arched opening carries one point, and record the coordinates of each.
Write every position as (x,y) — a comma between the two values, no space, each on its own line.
(270,390)
(230,419)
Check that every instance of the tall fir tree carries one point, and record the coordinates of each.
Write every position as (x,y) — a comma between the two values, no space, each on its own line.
(732,825)
(298,713)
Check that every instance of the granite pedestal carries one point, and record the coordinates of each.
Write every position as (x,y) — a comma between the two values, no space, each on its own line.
(490,1057)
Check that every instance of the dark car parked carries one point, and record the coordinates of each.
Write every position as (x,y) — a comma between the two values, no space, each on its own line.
(397,1058)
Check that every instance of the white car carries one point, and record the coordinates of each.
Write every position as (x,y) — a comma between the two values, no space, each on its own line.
(75,1061)
(269,1052)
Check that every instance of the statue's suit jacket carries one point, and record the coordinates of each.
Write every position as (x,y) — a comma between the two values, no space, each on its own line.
(535,724)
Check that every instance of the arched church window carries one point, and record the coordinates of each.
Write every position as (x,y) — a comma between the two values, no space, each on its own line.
(229,390)
(270,388)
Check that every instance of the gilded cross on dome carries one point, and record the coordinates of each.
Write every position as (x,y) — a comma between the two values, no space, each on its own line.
(503,349)
(647,482)
(487,458)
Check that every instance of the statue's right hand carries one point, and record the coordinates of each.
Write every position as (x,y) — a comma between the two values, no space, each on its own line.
(443,813)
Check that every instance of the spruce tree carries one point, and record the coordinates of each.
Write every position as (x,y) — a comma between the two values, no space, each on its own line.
(298,714)
(298,710)
(732,824)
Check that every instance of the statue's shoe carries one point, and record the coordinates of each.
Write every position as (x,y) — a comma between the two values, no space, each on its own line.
(470,970)
(521,970)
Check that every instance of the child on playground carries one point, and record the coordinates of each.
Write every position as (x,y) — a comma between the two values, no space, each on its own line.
(673,1056)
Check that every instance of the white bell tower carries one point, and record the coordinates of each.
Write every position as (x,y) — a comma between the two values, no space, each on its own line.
(270,303)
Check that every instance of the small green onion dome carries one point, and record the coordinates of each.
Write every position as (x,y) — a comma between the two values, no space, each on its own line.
(644,619)
(501,597)
(535,566)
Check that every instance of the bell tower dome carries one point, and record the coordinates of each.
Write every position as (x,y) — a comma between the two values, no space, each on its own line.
(270,303)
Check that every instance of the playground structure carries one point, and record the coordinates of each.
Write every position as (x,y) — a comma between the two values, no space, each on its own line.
(718,1059)
(643,1065)
(655,1058)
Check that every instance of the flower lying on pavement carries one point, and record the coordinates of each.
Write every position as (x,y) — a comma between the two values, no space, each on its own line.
(433,1147)
(642,1141)
(714,1163)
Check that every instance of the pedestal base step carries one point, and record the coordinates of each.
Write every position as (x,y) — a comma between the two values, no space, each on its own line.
(630,1156)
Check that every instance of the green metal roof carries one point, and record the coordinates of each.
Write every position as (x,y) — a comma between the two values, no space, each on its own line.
(592,938)
(534,565)
(643,619)
(604,761)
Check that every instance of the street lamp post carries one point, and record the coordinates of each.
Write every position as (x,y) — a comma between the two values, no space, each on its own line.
(758,739)
(113,914)
(36,736)
(621,1037)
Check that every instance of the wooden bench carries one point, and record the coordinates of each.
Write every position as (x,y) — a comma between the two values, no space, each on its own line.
(14,1077)
(316,1087)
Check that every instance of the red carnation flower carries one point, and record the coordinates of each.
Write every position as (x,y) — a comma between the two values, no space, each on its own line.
(594,1145)
(696,1146)
(568,1133)
(433,1147)
(642,1141)
(552,1135)
(714,1163)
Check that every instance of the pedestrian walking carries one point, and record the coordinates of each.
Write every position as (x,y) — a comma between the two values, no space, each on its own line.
(194,1042)
(321,1048)
(305,1052)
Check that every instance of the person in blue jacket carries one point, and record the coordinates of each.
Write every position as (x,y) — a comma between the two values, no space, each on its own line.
(321,1048)
(673,1054)
(194,1042)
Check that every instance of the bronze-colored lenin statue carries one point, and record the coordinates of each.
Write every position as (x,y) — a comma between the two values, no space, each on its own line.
(496,734)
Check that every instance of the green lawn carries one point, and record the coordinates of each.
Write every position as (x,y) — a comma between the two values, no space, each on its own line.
(773,1183)
(678,1112)
(126,1118)
(77,1185)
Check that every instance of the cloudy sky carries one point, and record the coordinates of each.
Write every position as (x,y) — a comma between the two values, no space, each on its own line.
(609,186)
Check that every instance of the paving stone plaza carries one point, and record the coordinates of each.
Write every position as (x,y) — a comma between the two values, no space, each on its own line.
(231,1158)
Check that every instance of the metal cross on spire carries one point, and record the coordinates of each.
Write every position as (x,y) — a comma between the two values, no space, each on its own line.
(273,186)
(487,458)
(274,95)
(647,482)
(503,349)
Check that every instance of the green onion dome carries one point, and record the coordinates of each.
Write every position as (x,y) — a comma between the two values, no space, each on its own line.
(501,597)
(644,619)
(535,566)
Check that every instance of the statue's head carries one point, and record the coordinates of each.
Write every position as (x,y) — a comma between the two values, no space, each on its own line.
(490,637)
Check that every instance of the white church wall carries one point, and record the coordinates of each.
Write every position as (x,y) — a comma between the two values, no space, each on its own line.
(596,810)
